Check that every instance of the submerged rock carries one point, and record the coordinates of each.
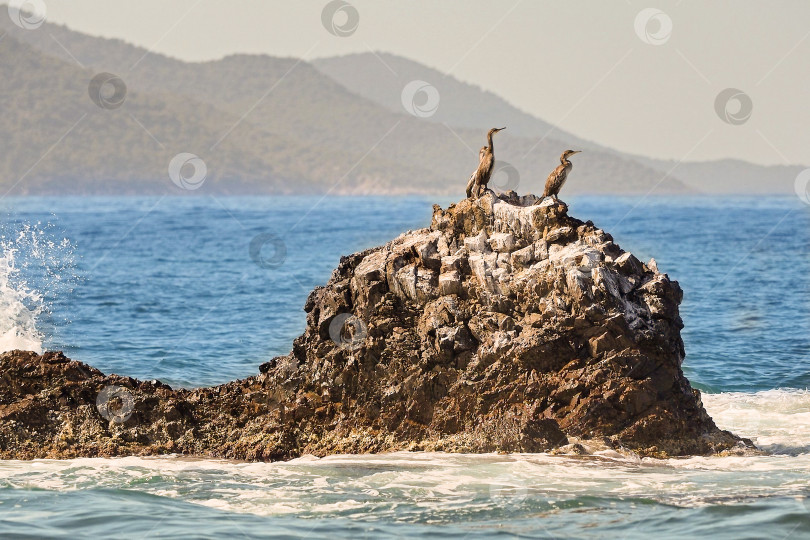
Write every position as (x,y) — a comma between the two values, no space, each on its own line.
(505,326)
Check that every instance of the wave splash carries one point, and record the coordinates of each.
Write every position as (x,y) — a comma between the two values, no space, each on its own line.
(34,270)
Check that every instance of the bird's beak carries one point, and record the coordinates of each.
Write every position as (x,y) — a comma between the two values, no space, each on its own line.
(501,129)
(576,152)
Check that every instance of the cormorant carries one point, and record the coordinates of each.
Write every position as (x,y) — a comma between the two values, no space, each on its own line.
(477,184)
(558,176)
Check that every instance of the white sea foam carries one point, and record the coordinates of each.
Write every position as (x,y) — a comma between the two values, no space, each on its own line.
(404,483)
(777,421)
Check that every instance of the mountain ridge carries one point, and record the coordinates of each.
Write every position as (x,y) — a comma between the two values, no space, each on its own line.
(262,124)
(366,73)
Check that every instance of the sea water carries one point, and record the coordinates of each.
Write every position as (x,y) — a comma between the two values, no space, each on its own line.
(200,290)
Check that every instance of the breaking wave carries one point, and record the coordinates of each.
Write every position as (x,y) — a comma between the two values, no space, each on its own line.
(35,269)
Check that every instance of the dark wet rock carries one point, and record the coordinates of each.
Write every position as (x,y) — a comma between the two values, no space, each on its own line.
(505,326)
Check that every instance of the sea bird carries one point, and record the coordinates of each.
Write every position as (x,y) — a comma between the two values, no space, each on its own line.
(558,176)
(477,184)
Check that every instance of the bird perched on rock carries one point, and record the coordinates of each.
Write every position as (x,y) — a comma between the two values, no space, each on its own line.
(558,176)
(477,184)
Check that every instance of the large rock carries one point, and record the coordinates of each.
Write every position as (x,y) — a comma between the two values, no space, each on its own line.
(505,325)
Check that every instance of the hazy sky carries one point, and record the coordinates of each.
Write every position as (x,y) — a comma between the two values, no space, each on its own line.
(583,65)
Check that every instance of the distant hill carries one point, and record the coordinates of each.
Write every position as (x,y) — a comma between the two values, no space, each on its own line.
(56,140)
(261,124)
(376,76)
(732,176)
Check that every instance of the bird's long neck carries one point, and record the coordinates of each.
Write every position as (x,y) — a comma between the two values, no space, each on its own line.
(489,142)
(565,162)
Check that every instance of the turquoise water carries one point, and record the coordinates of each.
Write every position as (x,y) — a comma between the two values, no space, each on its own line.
(170,288)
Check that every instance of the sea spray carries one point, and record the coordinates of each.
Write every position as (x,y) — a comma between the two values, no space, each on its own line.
(19,308)
(36,268)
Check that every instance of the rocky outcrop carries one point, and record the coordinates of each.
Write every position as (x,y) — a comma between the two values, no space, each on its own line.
(506,325)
